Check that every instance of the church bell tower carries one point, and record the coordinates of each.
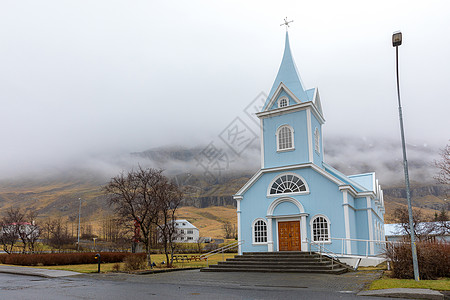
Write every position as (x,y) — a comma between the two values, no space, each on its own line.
(291,119)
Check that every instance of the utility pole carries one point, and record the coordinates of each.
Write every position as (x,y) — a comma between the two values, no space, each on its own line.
(79,221)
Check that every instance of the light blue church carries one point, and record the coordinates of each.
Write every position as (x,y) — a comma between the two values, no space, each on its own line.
(296,201)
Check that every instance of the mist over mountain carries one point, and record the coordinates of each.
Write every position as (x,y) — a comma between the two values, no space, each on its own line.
(348,155)
(213,173)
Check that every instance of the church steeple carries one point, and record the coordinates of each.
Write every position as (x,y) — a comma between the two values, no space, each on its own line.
(289,76)
(291,119)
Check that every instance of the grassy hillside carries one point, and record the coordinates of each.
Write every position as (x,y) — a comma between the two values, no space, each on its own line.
(209,220)
(208,206)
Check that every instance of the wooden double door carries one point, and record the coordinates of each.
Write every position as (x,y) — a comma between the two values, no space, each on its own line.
(289,236)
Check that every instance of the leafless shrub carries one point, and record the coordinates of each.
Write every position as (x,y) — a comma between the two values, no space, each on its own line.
(433,258)
(134,262)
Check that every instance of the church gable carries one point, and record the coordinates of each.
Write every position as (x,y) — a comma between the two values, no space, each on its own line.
(317,102)
(282,92)
(282,100)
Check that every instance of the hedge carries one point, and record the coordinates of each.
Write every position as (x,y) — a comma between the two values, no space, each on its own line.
(54,259)
(433,258)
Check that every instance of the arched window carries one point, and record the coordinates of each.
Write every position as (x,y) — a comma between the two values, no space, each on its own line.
(320,227)
(285,138)
(287,183)
(283,102)
(259,231)
(317,140)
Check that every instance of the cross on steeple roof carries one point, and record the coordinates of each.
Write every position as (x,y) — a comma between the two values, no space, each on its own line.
(286,23)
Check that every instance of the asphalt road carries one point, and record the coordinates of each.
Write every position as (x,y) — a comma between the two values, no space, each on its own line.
(187,285)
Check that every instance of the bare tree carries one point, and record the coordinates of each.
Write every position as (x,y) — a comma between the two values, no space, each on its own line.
(15,227)
(230,230)
(46,230)
(148,198)
(423,230)
(29,231)
(58,234)
(444,166)
(10,232)
(116,231)
(87,232)
(132,198)
(401,216)
(168,197)
(199,244)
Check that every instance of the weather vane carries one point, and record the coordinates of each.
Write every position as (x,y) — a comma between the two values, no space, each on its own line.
(286,23)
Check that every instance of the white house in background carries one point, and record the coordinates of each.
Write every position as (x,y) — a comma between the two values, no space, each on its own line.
(186,232)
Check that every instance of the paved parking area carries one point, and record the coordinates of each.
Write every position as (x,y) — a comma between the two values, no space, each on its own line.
(186,284)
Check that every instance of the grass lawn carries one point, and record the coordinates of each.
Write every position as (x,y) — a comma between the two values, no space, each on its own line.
(156,258)
(385,282)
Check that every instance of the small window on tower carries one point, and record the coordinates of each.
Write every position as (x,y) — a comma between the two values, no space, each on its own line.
(317,140)
(283,102)
(285,138)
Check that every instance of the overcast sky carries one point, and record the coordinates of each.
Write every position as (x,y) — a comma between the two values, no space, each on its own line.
(82,78)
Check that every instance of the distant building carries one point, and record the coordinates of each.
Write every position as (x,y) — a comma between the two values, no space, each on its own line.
(297,201)
(27,229)
(439,231)
(186,232)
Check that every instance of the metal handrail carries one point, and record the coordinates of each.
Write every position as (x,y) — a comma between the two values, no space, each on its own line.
(344,250)
(329,254)
(220,250)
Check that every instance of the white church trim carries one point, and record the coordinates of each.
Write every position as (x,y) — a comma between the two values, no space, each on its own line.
(301,217)
(288,194)
(347,220)
(310,142)
(262,142)
(280,200)
(292,167)
(291,109)
(277,93)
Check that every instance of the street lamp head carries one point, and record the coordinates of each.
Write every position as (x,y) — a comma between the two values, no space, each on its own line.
(396,39)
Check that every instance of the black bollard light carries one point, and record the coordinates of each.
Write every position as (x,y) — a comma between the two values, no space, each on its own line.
(97,257)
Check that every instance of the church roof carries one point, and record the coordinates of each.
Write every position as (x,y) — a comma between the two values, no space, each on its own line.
(288,74)
(184,224)
(345,179)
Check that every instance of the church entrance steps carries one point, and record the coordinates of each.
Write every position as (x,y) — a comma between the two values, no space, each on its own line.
(300,262)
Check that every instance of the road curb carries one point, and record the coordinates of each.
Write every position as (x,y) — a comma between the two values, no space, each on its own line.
(163,271)
(46,273)
(404,293)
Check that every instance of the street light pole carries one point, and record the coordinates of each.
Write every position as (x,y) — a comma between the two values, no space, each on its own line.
(79,219)
(397,41)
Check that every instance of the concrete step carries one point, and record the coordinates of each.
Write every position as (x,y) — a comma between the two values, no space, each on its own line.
(286,259)
(285,254)
(287,266)
(275,262)
(302,262)
(336,271)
